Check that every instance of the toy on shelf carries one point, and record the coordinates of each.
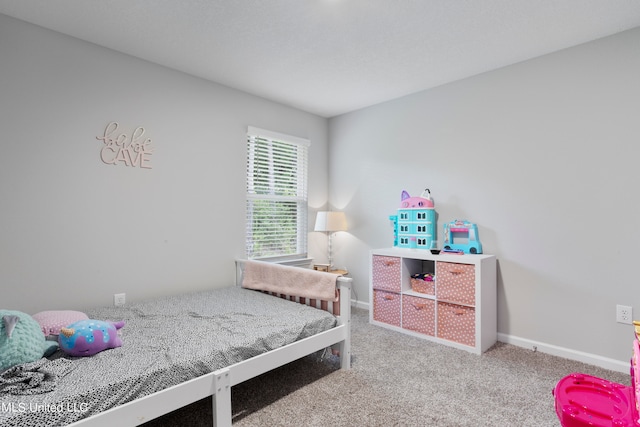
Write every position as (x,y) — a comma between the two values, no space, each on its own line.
(452,251)
(414,224)
(462,236)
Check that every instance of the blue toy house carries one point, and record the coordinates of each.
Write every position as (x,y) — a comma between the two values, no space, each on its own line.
(415,223)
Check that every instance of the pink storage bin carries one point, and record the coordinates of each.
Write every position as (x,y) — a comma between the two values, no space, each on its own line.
(456,282)
(385,273)
(386,307)
(419,314)
(457,323)
(423,283)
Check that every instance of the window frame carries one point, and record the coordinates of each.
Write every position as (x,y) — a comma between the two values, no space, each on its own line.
(295,165)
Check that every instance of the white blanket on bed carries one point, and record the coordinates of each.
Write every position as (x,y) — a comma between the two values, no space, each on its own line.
(296,281)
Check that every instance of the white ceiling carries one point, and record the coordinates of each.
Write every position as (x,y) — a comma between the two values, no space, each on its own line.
(329,57)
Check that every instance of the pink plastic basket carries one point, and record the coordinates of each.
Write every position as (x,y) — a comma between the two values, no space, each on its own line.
(583,400)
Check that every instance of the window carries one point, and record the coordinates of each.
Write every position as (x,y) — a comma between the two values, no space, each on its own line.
(276,195)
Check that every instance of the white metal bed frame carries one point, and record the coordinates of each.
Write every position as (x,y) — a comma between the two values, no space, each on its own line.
(218,383)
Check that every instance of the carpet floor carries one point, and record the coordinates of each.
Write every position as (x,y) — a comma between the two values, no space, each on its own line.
(399,380)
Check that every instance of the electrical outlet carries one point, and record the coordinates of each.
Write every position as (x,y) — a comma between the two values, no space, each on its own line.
(624,314)
(119,300)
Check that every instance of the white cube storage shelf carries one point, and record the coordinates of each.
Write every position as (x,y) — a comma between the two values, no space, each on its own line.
(460,310)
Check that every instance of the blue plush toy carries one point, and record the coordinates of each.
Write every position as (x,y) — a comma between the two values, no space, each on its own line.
(21,339)
(90,336)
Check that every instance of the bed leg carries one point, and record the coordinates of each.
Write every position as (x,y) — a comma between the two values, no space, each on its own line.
(222,399)
(344,347)
(345,355)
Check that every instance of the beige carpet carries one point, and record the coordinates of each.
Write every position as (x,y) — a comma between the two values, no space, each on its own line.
(397,380)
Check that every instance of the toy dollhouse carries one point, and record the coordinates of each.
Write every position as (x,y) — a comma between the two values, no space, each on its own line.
(415,222)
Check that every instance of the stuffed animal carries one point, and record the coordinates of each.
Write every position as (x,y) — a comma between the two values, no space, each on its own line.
(88,337)
(21,339)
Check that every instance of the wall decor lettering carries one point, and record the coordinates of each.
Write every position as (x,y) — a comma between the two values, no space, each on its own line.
(120,148)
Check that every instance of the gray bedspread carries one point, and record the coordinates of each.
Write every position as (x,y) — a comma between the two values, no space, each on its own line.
(165,342)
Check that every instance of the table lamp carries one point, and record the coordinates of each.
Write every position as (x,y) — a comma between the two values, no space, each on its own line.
(329,222)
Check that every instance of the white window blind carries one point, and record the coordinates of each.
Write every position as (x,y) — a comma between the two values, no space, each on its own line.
(276,195)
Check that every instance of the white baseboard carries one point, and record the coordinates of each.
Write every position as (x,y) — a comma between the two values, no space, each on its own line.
(359,304)
(567,353)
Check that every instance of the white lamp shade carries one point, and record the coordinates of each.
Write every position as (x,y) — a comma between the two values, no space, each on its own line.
(331,221)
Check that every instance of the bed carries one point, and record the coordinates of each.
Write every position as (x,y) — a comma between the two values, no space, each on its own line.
(180,349)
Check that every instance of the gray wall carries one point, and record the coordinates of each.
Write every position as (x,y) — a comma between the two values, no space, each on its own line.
(543,156)
(74,230)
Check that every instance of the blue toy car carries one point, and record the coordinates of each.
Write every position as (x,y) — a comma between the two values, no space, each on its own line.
(462,235)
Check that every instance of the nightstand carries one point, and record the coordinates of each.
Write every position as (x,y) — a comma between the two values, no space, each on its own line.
(327,268)
(340,272)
